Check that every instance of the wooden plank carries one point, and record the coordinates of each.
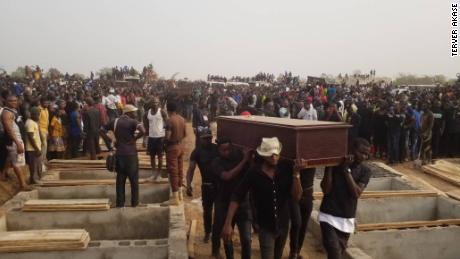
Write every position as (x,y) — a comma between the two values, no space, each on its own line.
(66,205)
(44,240)
(407,224)
(386,194)
(191,239)
(446,172)
(451,167)
(455,194)
(44,202)
(105,208)
(434,172)
(57,183)
(81,163)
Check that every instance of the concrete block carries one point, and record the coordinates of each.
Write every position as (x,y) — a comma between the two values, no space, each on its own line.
(114,224)
(440,242)
(148,193)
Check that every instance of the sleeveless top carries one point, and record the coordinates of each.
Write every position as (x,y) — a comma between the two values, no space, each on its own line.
(16,129)
(156,124)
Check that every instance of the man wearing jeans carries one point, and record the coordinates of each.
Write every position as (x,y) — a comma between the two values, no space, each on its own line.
(273,183)
(127,162)
(342,185)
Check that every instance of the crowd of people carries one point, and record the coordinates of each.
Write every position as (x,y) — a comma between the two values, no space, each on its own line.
(44,119)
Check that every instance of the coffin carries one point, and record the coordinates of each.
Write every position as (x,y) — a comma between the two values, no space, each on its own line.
(315,143)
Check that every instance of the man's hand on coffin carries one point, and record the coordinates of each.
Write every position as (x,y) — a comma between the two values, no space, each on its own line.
(189,191)
(248,154)
(298,165)
(348,160)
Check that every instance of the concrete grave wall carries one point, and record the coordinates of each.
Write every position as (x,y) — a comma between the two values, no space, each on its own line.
(433,242)
(380,184)
(144,233)
(396,209)
(439,242)
(448,208)
(139,249)
(96,174)
(114,224)
(406,209)
(148,193)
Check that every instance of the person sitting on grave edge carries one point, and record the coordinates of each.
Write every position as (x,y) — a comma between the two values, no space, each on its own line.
(342,185)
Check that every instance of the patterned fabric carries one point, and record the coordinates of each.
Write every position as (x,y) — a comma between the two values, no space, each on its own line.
(56,144)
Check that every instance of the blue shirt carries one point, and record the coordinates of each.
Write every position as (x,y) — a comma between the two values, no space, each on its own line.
(417,118)
(75,129)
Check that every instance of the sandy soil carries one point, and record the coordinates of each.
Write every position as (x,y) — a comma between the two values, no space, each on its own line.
(312,247)
(193,211)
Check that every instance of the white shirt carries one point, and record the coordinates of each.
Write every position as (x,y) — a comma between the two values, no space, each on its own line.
(346,225)
(253,101)
(310,114)
(110,101)
(156,124)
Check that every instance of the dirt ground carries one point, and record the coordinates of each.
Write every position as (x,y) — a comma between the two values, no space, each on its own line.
(193,211)
(312,247)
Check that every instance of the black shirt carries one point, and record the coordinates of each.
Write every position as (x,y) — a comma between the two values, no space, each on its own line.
(220,165)
(92,121)
(271,196)
(339,201)
(125,135)
(204,156)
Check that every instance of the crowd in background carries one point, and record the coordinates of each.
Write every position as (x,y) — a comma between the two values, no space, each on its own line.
(401,126)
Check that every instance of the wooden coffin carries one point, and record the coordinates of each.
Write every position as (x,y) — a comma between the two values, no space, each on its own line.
(316,143)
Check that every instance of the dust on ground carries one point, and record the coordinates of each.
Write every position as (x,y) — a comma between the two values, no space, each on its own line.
(312,247)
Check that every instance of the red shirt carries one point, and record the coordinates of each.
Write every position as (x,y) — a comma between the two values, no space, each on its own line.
(102,112)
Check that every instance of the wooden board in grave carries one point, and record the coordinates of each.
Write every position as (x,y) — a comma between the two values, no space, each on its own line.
(317,143)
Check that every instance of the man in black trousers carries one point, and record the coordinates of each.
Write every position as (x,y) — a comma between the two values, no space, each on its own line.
(300,212)
(127,162)
(342,185)
(203,155)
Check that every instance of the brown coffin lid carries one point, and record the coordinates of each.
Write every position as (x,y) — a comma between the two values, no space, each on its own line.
(296,124)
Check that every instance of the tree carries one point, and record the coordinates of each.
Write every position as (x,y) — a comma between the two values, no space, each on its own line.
(105,73)
(408,79)
(356,72)
(19,73)
(78,76)
(53,73)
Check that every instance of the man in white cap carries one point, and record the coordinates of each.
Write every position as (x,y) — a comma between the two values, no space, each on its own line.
(127,162)
(273,183)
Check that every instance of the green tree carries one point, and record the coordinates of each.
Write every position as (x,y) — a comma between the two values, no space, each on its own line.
(20,72)
(105,73)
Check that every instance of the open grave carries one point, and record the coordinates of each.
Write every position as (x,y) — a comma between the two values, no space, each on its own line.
(142,232)
(403,227)
(381,184)
(149,193)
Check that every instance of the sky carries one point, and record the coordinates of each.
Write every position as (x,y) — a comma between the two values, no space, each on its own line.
(235,37)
